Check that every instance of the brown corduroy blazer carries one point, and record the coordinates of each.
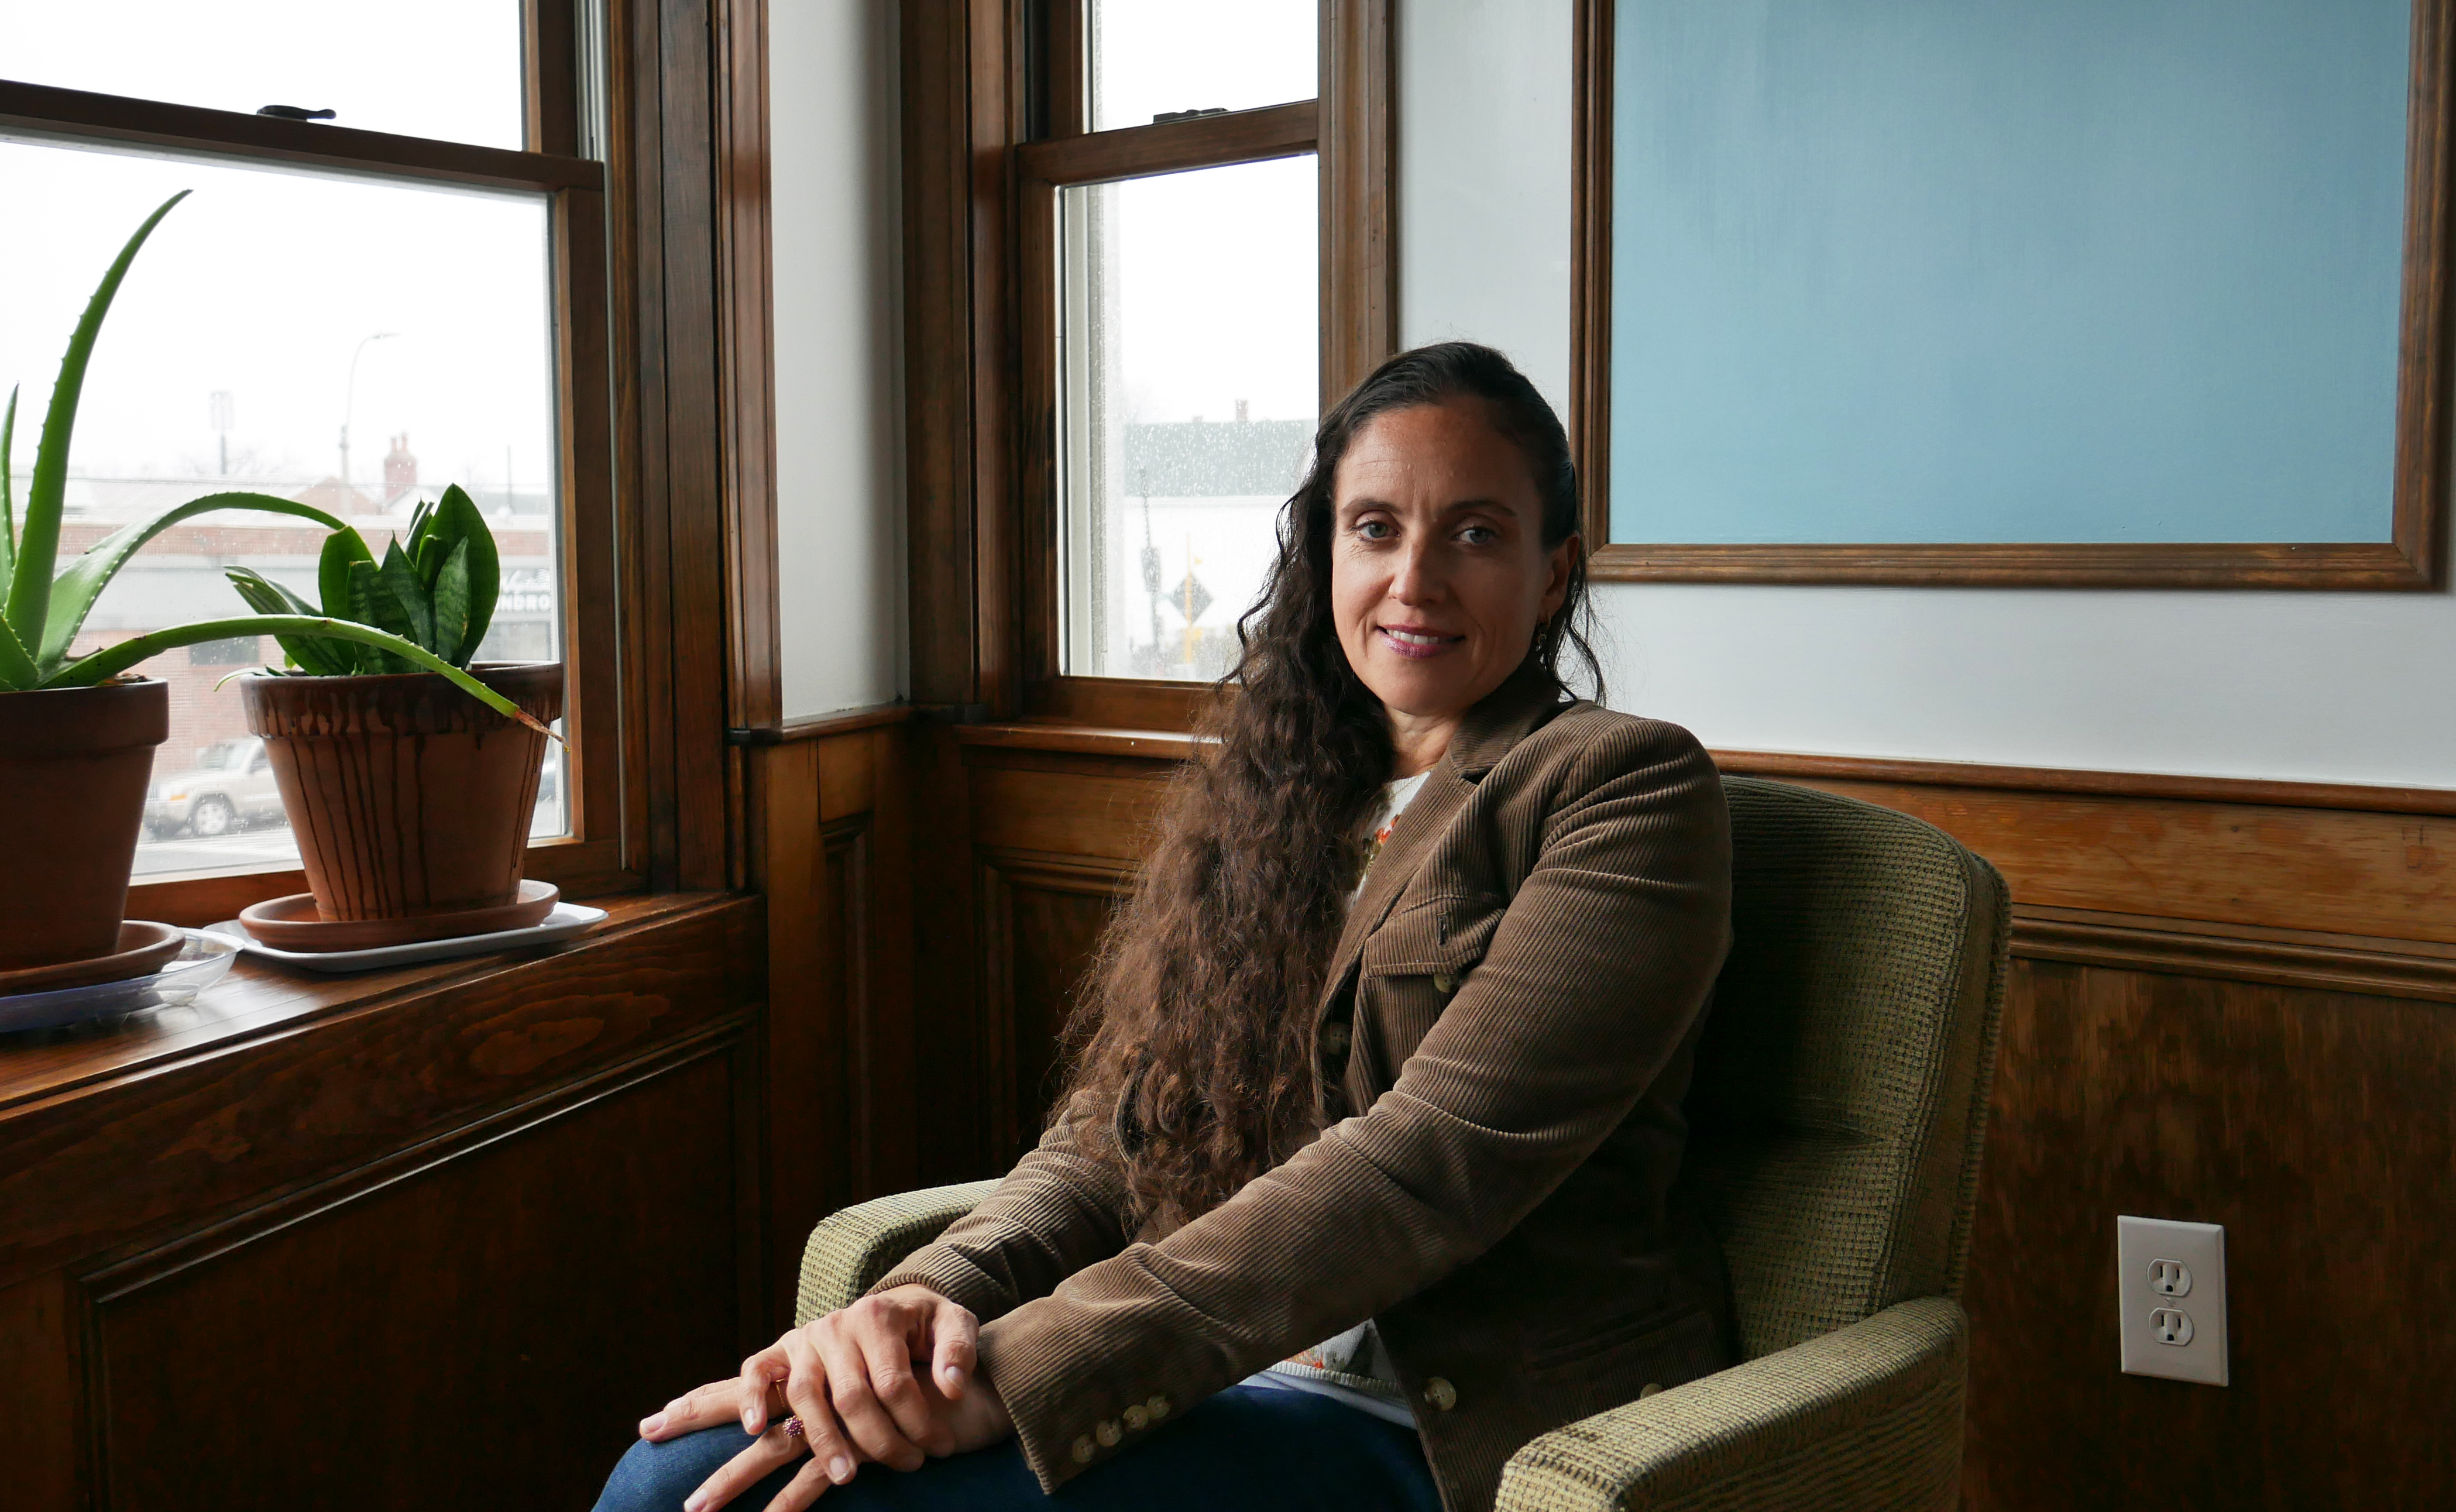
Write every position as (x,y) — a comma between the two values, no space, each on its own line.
(1504,1040)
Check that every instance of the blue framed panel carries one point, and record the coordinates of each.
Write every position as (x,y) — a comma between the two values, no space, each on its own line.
(2069,290)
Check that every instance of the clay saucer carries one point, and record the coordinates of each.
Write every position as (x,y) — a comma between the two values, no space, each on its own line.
(292,924)
(143,949)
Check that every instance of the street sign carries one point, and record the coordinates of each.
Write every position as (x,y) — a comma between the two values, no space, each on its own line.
(1191,598)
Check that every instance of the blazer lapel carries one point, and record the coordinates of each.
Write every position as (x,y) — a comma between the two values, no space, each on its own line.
(1485,737)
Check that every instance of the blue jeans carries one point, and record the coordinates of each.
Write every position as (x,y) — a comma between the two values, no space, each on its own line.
(1248,1448)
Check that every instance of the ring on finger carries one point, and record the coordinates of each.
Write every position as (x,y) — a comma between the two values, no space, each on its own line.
(792,1427)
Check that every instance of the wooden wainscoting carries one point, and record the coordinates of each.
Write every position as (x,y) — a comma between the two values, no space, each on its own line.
(2230,1002)
(426,1237)
(1055,836)
(833,849)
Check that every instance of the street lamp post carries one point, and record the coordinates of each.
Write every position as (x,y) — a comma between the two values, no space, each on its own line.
(349,400)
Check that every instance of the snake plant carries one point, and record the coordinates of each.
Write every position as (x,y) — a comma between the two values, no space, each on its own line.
(43,606)
(438,593)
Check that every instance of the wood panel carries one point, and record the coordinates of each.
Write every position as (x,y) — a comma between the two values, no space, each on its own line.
(672,436)
(835,857)
(277,1248)
(1359,267)
(587,1259)
(1591,188)
(908,950)
(937,184)
(962,110)
(1041,921)
(2317,1127)
(1052,832)
(2315,567)
(2415,969)
(110,1136)
(1066,807)
(953,1140)
(746,343)
(40,1438)
(2391,876)
(804,1067)
(1118,703)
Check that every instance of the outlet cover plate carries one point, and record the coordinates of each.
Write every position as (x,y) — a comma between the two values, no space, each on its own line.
(2140,1245)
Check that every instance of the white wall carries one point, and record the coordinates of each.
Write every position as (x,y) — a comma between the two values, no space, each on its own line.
(2318,688)
(831,113)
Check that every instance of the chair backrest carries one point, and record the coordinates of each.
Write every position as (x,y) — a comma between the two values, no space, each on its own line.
(1840,1099)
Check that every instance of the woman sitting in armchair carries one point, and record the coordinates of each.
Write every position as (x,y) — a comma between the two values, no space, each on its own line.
(1364,1174)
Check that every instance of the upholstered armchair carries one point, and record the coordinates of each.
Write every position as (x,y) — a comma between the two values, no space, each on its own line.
(1837,1115)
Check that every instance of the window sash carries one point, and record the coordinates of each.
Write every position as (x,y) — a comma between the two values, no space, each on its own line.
(598,853)
(1347,125)
(1043,169)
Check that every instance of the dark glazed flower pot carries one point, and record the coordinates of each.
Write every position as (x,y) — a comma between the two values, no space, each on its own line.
(408,796)
(73,766)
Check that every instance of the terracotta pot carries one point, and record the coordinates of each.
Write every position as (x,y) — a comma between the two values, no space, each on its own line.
(73,766)
(408,796)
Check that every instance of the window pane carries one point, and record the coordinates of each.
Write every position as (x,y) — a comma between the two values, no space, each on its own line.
(448,69)
(1151,58)
(273,319)
(1189,378)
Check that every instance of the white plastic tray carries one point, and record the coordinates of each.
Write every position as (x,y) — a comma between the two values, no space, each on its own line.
(568,919)
(199,964)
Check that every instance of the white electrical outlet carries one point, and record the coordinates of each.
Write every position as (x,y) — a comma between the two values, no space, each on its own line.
(2170,1283)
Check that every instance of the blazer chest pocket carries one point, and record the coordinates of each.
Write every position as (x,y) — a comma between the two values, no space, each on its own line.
(1410,967)
(1440,938)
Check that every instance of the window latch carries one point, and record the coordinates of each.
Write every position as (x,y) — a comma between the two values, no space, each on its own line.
(1166,116)
(297,113)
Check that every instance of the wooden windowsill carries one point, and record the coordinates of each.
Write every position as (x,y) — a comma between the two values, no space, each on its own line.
(822,726)
(259,1000)
(1091,739)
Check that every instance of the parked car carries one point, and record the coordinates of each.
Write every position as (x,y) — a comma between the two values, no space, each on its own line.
(231,785)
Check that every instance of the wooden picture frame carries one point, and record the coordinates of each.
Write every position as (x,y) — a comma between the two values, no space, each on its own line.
(2412,558)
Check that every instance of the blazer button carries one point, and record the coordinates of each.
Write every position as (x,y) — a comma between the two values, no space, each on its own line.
(1651,1387)
(1108,1435)
(1444,983)
(1159,1406)
(1083,1450)
(1333,1039)
(1440,1393)
(1136,1419)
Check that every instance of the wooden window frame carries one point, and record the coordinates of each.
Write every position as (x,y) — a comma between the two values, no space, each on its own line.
(1043,168)
(2414,558)
(992,98)
(606,849)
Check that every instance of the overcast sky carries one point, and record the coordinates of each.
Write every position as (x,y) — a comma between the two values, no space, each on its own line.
(1220,283)
(262,284)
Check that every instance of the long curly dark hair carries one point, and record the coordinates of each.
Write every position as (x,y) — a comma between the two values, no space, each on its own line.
(1190,1066)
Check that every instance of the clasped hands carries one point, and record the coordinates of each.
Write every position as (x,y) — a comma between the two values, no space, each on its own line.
(891,1378)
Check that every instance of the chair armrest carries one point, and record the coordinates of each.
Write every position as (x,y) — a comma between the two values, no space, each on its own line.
(851,1250)
(1866,1416)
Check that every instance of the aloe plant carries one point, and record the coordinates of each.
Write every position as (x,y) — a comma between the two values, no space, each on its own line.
(438,592)
(42,605)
